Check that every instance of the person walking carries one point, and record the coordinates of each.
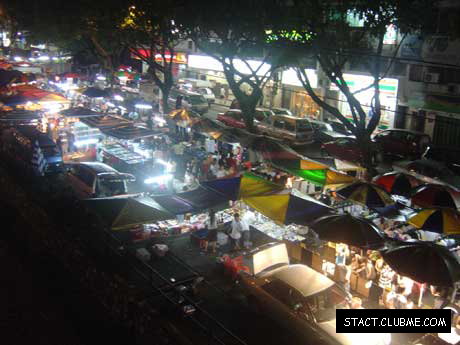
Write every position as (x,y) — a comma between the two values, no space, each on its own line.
(235,234)
(211,238)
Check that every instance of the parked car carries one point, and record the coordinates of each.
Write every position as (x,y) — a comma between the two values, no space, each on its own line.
(22,139)
(207,94)
(281,111)
(324,131)
(403,143)
(297,296)
(97,180)
(295,131)
(339,127)
(190,101)
(234,117)
(348,149)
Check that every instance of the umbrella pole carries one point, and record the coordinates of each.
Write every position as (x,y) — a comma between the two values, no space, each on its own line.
(454,293)
(420,297)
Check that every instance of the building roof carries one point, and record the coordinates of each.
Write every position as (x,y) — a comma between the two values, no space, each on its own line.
(302,278)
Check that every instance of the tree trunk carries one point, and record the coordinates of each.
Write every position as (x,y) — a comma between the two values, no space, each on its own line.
(369,154)
(164,99)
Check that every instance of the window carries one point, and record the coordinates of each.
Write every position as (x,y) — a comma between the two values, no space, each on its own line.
(304,126)
(281,292)
(279,124)
(289,126)
(85,176)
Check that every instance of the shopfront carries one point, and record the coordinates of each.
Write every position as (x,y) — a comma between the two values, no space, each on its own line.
(296,99)
(388,97)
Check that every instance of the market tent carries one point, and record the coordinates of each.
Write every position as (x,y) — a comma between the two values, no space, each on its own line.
(123,212)
(33,93)
(80,112)
(441,220)
(246,185)
(366,194)
(396,183)
(286,208)
(104,122)
(10,76)
(130,132)
(431,195)
(13,99)
(195,200)
(19,116)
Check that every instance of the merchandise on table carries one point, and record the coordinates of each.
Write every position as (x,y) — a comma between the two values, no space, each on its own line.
(280,232)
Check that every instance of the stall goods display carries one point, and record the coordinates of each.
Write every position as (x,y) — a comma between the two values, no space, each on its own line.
(279,232)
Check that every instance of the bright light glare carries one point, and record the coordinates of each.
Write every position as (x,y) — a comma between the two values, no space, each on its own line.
(52,107)
(158,179)
(118,98)
(17,58)
(166,164)
(44,58)
(54,58)
(143,106)
(121,107)
(86,142)
(110,104)
(159,119)
(32,59)
(100,77)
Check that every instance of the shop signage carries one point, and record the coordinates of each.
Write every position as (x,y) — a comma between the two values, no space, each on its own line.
(447,104)
(411,47)
(387,86)
(391,36)
(178,58)
(441,49)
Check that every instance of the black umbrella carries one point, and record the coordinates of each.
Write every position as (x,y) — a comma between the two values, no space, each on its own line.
(344,228)
(94,92)
(8,76)
(424,262)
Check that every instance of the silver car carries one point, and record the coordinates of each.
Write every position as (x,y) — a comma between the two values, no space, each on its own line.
(299,297)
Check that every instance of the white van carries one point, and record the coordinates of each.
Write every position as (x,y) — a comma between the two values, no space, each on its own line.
(190,101)
(97,180)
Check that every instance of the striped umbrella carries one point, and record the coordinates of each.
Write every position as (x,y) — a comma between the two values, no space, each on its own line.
(440,220)
(397,183)
(366,194)
(430,195)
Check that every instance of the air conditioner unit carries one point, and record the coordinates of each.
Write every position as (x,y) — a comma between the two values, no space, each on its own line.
(431,77)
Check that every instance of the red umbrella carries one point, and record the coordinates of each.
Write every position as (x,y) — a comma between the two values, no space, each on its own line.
(430,195)
(397,183)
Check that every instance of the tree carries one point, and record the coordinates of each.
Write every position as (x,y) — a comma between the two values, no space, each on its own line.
(236,30)
(324,31)
(152,32)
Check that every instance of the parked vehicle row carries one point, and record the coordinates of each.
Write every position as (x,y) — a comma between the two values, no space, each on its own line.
(296,131)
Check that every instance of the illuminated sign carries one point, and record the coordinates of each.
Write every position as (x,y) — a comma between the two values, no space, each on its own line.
(179,58)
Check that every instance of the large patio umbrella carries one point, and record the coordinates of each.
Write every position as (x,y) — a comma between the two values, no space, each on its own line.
(344,228)
(80,112)
(441,220)
(424,262)
(286,208)
(430,195)
(397,183)
(430,171)
(121,213)
(366,194)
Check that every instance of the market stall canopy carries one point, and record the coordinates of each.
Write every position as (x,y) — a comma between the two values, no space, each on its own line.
(80,112)
(19,116)
(35,94)
(397,183)
(243,186)
(94,92)
(192,201)
(366,194)
(424,262)
(430,195)
(441,220)
(286,208)
(430,171)
(12,100)
(124,212)
(130,132)
(105,122)
(354,231)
